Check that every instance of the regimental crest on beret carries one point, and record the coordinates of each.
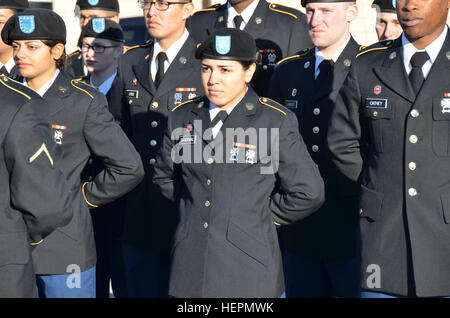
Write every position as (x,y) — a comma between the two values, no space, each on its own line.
(27,24)
(98,24)
(223,44)
(93,2)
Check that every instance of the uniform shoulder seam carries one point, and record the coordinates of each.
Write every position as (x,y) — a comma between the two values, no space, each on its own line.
(267,102)
(74,82)
(279,8)
(4,79)
(302,53)
(187,102)
(385,45)
(129,48)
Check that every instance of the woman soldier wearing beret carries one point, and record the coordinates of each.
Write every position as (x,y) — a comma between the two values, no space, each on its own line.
(238,168)
(83,126)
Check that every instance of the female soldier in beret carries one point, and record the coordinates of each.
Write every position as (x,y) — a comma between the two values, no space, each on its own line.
(238,168)
(83,126)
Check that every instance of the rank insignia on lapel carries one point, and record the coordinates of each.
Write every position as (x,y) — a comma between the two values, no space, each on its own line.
(178,98)
(249,106)
(294,92)
(147,56)
(234,153)
(134,82)
(445,105)
(183,60)
(62,89)
(377,90)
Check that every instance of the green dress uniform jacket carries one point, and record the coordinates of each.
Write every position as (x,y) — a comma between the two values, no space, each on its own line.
(330,233)
(83,126)
(34,198)
(226,243)
(396,145)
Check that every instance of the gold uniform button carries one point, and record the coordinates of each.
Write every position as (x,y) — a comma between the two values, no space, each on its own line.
(315,148)
(361,211)
(207,204)
(412,192)
(210,161)
(415,113)
(154,124)
(155,105)
(412,166)
(316,130)
(375,113)
(152,161)
(413,139)
(208,182)
(153,143)
(205,225)
(316,111)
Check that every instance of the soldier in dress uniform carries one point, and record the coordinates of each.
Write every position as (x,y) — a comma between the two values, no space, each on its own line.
(387,27)
(35,197)
(319,252)
(83,126)
(390,132)
(237,166)
(157,77)
(102,47)
(85,10)
(7,9)
(279,31)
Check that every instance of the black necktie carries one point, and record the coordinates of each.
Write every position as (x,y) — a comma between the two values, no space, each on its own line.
(222,115)
(416,75)
(325,66)
(237,21)
(161,57)
(4,71)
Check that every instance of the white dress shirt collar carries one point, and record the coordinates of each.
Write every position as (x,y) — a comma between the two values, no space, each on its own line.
(334,58)
(214,110)
(171,53)
(433,50)
(246,14)
(41,91)
(9,65)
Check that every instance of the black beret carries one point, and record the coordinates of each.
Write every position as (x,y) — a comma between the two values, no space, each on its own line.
(103,29)
(14,4)
(385,5)
(304,2)
(34,24)
(228,44)
(110,5)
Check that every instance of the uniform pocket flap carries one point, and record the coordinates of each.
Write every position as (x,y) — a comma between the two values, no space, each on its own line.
(247,243)
(370,203)
(14,249)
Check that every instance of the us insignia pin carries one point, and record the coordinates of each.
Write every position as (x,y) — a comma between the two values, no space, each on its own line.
(294,92)
(183,60)
(249,106)
(347,62)
(393,55)
(306,65)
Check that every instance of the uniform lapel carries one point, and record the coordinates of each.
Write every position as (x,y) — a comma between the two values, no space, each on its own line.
(438,74)
(306,87)
(340,70)
(142,70)
(221,19)
(392,72)
(176,73)
(200,115)
(114,97)
(57,93)
(256,24)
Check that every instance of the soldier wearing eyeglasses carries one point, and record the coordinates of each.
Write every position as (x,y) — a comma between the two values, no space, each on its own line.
(101,43)
(85,10)
(157,77)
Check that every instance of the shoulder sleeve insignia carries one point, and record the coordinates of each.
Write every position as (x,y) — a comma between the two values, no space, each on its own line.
(273,104)
(41,150)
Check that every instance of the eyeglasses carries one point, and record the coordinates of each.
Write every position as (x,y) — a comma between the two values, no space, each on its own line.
(160,5)
(96,48)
